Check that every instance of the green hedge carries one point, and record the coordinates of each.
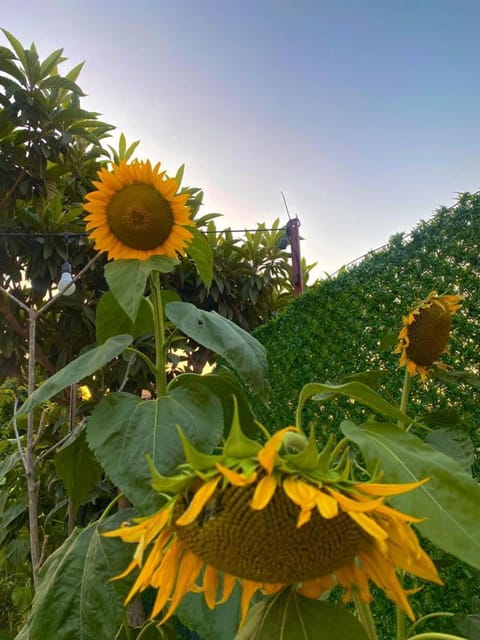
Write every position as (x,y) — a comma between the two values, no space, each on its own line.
(348,324)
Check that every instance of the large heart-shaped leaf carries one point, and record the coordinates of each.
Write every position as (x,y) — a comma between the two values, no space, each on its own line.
(75,597)
(127,280)
(111,319)
(449,500)
(211,624)
(78,469)
(83,366)
(123,429)
(290,616)
(454,443)
(239,348)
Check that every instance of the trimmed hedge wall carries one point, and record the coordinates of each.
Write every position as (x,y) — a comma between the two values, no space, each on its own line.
(348,324)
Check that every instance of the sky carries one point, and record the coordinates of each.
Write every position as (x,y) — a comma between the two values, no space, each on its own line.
(364,113)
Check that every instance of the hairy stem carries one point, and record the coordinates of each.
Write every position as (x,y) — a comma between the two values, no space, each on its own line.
(160,348)
(365,617)
(407,386)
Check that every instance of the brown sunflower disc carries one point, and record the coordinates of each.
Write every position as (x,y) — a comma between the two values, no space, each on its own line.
(428,334)
(266,545)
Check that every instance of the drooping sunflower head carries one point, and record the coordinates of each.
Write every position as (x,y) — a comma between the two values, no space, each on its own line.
(268,517)
(136,212)
(425,332)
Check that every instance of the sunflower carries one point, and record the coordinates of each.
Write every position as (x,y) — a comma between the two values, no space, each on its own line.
(136,212)
(267,517)
(425,332)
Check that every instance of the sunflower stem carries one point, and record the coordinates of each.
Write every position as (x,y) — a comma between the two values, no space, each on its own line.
(407,386)
(365,616)
(160,348)
(401,624)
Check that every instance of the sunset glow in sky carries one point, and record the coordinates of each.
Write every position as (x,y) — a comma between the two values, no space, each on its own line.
(365,113)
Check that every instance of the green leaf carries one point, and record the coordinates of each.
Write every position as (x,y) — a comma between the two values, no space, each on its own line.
(111,319)
(76,466)
(75,597)
(219,623)
(8,516)
(50,62)
(83,366)
(225,386)
(447,417)
(239,348)
(290,616)
(202,254)
(57,82)
(469,625)
(127,280)
(16,46)
(454,443)
(11,68)
(449,500)
(123,429)
(355,390)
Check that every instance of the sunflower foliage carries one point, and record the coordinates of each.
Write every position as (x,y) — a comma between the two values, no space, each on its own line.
(237,529)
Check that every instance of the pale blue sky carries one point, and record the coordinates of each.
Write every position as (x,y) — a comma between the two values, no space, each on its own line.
(365,113)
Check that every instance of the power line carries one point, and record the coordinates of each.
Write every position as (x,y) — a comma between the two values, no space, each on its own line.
(67,235)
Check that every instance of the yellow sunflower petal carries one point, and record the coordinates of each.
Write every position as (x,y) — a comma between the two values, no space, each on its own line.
(229,583)
(349,504)
(326,505)
(264,492)
(164,577)
(369,525)
(379,489)
(188,572)
(248,589)
(210,586)
(267,455)
(200,499)
(236,479)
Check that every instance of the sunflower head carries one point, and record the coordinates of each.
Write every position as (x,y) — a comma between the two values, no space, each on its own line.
(425,332)
(136,212)
(270,516)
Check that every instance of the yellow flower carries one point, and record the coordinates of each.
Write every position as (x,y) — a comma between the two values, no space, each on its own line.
(136,212)
(425,332)
(268,518)
(84,393)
